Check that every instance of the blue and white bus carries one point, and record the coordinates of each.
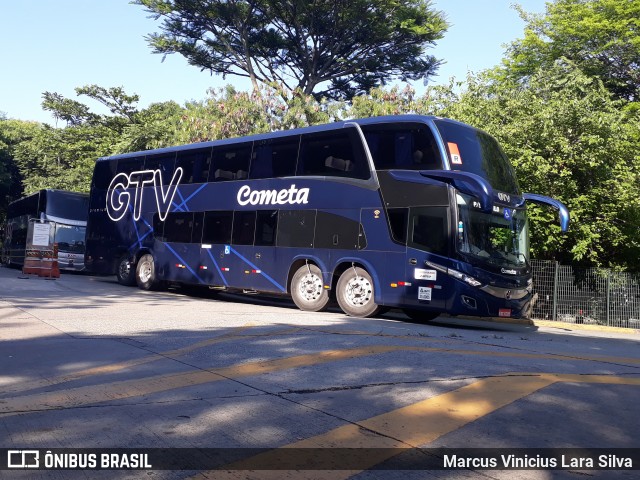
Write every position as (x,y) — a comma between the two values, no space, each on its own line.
(413,212)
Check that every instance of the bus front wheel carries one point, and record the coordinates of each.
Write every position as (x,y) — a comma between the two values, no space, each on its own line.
(146,277)
(126,271)
(355,293)
(307,289)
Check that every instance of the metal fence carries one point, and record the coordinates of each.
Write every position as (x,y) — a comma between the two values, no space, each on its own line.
(585,295)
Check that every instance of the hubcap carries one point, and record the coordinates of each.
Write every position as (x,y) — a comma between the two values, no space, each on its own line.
(145,271)
(310,287)
(359,291)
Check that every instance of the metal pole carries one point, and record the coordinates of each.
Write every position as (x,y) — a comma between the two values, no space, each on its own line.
(608,304)
(555,291)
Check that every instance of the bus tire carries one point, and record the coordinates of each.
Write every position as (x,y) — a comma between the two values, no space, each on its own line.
(420,316)
(146,277)
(307,289)
(355,293)
(126,271)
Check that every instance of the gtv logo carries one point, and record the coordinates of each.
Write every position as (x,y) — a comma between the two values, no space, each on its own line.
(119,200)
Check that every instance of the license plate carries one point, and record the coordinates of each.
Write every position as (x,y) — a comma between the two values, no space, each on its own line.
(504,312)
(424,293)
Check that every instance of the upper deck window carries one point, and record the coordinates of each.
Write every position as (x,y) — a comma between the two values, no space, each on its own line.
(274,158)
(474,151)
(230,162)
(195,165)
(338,153)
(403,146)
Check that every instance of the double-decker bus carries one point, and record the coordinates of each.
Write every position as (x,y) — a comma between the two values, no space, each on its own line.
(67,214)
(414,212)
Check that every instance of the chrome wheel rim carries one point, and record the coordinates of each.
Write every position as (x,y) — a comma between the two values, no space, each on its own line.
(310,287)
(146,271)
(359,291)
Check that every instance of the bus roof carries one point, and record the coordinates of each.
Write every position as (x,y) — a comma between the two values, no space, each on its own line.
(282,133)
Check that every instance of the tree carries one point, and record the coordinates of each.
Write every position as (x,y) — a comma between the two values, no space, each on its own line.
(12,133)
(568,139)
(64,157)
(329,48)
(602,37)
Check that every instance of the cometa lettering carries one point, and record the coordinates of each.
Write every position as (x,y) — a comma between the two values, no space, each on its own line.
(290,196)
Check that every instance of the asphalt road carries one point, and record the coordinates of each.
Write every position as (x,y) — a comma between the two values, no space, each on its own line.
(87,363)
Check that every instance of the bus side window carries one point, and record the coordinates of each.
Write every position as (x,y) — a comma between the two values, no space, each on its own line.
(128,165)
(198,223)
(195,165)
(430,229)
(178,227)
(336,231)
(266,227)
(217,227)
(275,158)
(244,227)
(402,146)
(296,228)
(338,153)
(164,163)
(230,162)
(104,172)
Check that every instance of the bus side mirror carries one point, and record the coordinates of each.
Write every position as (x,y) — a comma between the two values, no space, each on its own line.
(563,211)
(465,182)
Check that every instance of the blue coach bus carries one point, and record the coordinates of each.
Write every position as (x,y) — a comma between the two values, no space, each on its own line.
(414,212)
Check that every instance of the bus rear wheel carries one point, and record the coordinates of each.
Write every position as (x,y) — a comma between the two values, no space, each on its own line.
(146,277)
(355,293)
(307,289)
(126,271)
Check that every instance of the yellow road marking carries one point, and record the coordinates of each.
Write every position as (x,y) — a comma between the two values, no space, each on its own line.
(411,426)
(93,394)
(154,357)
(75,397)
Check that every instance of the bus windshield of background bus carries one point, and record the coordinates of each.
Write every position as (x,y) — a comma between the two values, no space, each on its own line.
(70,238)
(500,239)
(67,205)
(475,151)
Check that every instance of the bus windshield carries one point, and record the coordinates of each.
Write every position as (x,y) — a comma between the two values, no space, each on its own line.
(500,238)
(70,238)
(474,151)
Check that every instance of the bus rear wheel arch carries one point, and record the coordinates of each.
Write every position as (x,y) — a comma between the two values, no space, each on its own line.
(355,293)
(307,289)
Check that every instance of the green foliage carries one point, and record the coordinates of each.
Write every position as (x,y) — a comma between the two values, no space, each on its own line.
(12,134)
(333,49)
(568,139)
(231,113)
(602,37)
(64,157)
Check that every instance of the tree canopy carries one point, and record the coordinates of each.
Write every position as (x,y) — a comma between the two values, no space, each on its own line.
(568,139)
(328,48)
(602,37)
(569,128)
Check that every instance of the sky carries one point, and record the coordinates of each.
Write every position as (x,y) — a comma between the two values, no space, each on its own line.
(56,46)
